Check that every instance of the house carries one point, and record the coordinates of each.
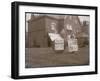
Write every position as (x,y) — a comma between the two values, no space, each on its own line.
(38,29)
(40,25)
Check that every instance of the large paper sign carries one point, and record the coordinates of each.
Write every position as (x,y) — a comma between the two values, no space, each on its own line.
(72,45)
(59,44)
(54,36)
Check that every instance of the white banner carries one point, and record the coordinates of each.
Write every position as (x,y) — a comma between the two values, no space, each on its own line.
(72,45)
(59,44)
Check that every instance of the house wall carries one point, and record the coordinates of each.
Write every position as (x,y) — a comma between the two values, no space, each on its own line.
(48,22)
(38,39)
(36,33)
(36,24)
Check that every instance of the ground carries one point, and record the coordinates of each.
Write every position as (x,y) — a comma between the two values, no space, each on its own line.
(46,57)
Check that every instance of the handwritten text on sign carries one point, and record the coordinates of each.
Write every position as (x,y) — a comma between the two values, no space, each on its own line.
(59,44)
(72,45)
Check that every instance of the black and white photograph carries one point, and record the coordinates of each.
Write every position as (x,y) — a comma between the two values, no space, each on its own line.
(50,40)
(56,40)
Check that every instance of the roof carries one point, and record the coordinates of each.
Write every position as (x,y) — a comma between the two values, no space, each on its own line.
(50,17)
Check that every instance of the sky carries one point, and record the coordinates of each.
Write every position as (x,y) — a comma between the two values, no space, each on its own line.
(84,18)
